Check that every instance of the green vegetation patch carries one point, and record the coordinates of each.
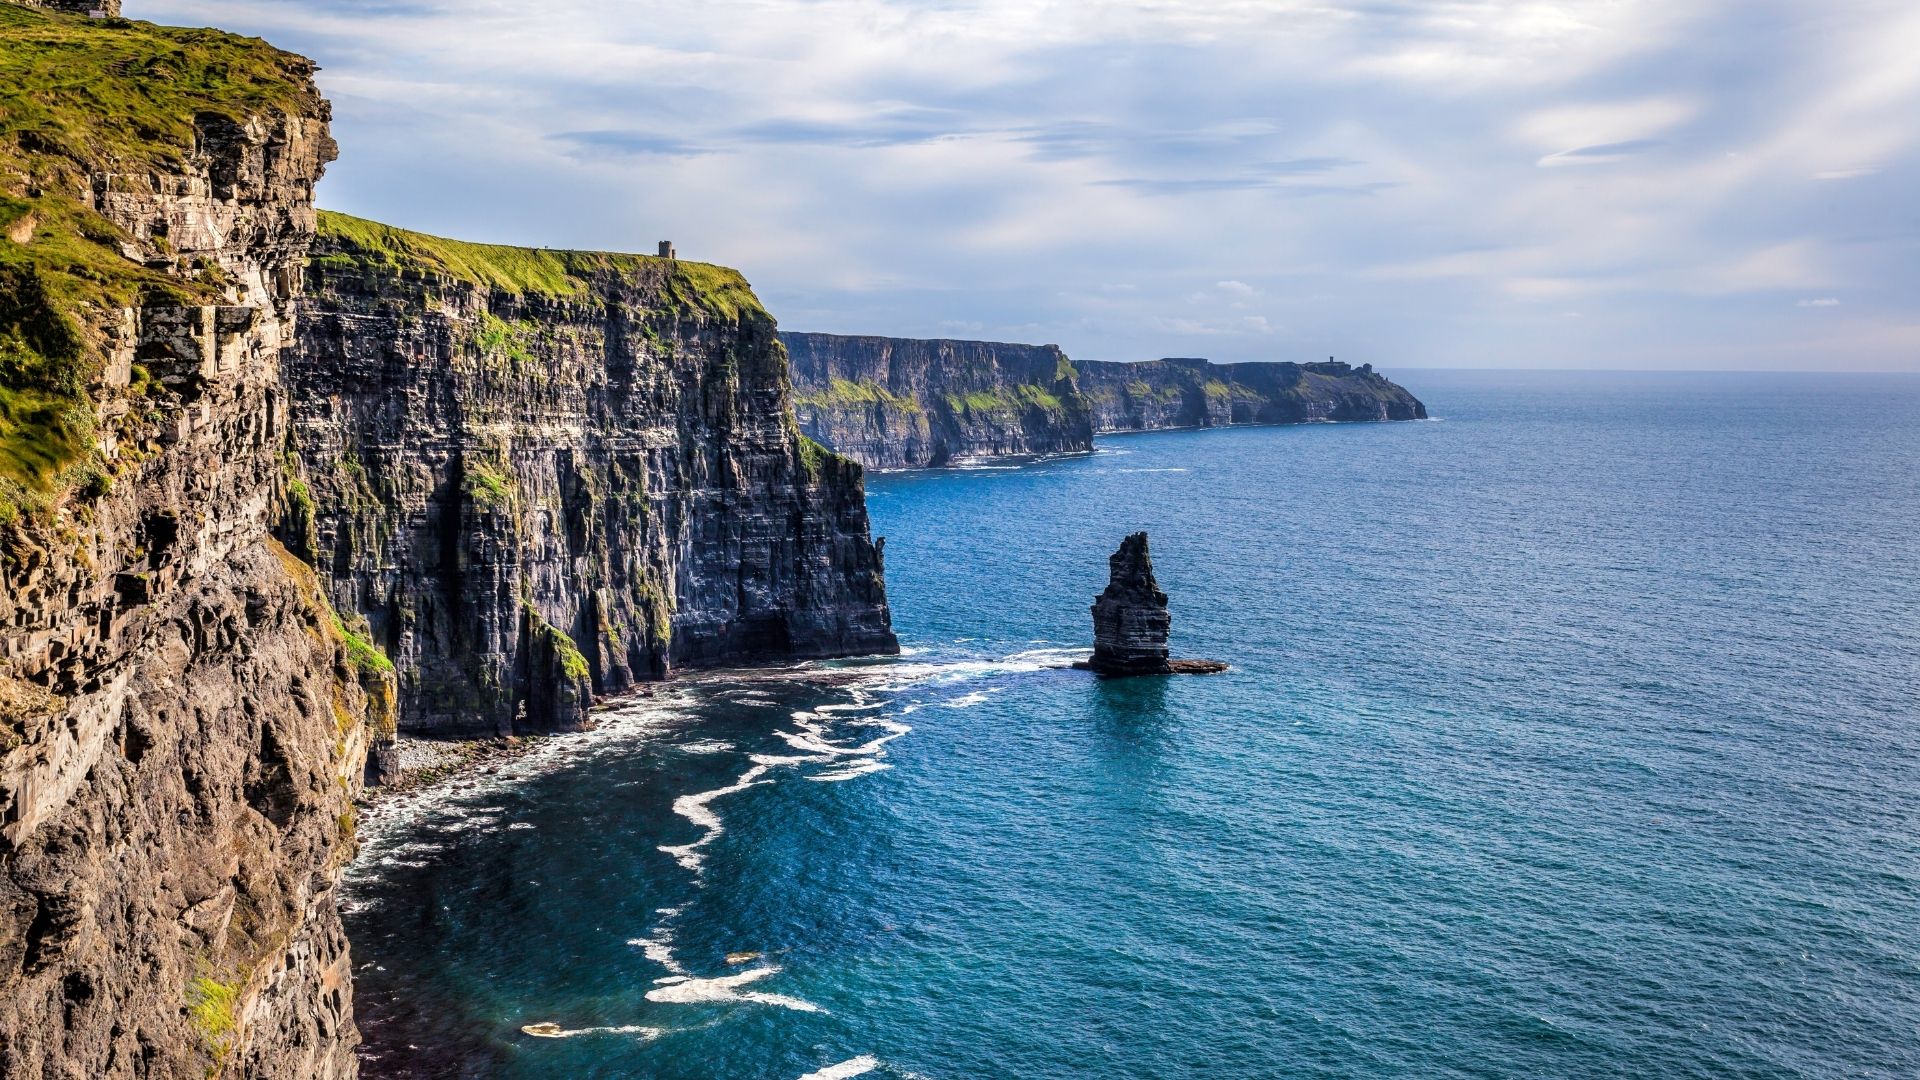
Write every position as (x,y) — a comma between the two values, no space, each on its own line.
(210,1008)
(848,394)
(350,243)
(362,653)
(488,486)
(80,98)
(573,663)
(1005,399)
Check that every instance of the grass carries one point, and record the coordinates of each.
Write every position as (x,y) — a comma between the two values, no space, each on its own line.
(1005,399)
(813,457)
(210,1008)
(573,663)
(362,653)
(80,98)
(351,244)
(487,486)
(848,394)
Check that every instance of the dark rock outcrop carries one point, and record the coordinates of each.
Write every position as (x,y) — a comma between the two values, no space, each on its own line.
(1188,393)
(898,403)
(107,8)
(1131,623)
(541,476)
(183,724)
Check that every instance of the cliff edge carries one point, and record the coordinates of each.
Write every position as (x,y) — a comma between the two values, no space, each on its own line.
(898,403)
(545,475)
(183,720)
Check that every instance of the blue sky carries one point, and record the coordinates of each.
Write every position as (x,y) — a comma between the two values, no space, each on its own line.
(1592,183)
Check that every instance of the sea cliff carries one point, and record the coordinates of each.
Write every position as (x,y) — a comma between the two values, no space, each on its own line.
(894,403)
(540,476)
(257,513)
(183,722)
(1155,395)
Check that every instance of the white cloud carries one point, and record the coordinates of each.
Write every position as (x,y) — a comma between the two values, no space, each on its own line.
(1116,175)
(1824,301)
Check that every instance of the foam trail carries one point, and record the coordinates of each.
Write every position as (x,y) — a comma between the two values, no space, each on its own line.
(725,988)
(694,809)
(859,1066)
(625,1029)
(659,949)
(851,772)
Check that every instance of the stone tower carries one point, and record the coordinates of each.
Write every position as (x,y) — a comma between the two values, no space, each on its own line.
(666,250)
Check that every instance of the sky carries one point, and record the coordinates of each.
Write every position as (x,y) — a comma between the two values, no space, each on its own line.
(1662,184)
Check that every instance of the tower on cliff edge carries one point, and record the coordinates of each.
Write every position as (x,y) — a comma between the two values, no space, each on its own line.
(666,250)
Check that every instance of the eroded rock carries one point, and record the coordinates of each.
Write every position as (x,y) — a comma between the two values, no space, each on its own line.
(1131,623)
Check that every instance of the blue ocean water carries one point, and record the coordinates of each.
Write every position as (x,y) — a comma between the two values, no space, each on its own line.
(1575,734)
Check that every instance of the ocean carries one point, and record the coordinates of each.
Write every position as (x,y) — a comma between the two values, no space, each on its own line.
(1575,733)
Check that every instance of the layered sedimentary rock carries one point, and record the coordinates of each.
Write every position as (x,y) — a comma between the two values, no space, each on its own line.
(541,476)
(1131,623)
(894,403)
(105,8)
(183,723)
(1187,393)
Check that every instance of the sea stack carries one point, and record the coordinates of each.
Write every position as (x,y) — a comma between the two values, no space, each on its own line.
(1131,621)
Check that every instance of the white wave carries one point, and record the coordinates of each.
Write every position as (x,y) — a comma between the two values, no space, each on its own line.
(968,701)
(518,825)
(707,747)
(694,809)
(774,761)
(726,988)
(853,706)
(851,772)
(659,949)
(859,1066)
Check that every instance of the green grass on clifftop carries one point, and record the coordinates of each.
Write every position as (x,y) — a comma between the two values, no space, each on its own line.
(353,243)
(81,98)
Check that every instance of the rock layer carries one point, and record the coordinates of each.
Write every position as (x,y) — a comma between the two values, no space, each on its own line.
(183,724)
(541,476)
(1131,623)
(896,403)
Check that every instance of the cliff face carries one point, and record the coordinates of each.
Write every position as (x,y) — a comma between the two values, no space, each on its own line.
(543,475)
(182,723)
(1181,393)
(895,403)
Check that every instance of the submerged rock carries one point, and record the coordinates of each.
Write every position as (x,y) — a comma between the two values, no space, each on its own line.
(1131,621)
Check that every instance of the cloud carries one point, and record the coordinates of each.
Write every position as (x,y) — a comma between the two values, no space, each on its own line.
(1603,154)
(1825,301)
(1235,288)
(1408,182)
(615,143)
